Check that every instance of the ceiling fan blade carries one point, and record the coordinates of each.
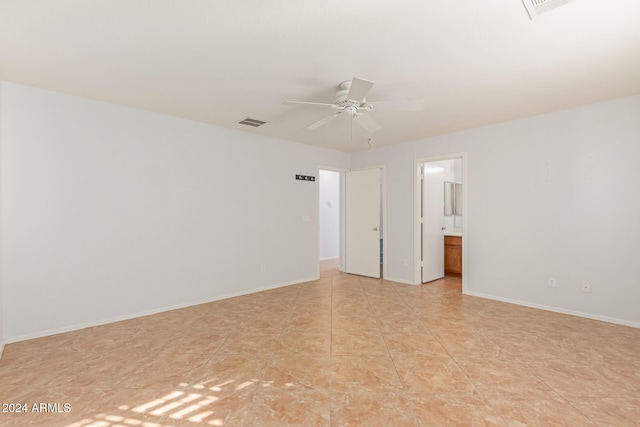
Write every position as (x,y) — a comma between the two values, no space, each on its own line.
(368,123)
(323,121)
(359,89)
(409,105)
(320,104)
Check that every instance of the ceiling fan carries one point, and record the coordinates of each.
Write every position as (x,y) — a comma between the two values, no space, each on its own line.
(351,100)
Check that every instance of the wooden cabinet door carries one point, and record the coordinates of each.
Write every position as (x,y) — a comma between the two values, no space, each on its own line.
(453,255)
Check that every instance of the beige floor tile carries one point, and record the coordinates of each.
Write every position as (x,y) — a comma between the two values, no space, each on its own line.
(295,372)
(108,369)
(364,373)
(342,350)
(571,379)
(134,406)
(540,411)
(229,373)
(250,342)
(45,344)
(53,369)
(467,344)
(619,412)
(503,377)
(180,406)
(211,410)
(164,370)
(201,342)
(526,345)
(358,343)
(348,322)
(371,409)
(396,323)
(104,339)
(300,408)
(454,410)
(351,309)
(411,344)
(432,375)
(387,306)
(309,322)
(303,342)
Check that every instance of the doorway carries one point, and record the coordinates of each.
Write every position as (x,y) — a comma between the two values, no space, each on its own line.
(436,219)
(331,213)
(360,230)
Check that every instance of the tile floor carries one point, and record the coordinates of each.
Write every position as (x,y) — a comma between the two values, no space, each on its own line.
(340,351)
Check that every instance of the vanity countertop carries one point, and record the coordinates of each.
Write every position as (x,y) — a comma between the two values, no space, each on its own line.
(457,232)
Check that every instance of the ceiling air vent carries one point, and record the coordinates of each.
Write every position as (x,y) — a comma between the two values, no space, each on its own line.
(537,7)
(252,122)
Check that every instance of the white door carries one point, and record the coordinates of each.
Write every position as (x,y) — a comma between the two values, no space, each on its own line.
(362,228)
(432,222)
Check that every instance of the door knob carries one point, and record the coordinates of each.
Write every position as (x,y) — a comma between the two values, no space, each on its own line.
(375,228)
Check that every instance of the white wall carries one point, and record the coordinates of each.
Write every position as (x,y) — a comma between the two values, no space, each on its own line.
(112,212)
(551,195)
(329,214)
(1,205)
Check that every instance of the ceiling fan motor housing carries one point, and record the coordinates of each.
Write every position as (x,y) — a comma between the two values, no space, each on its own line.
(350,106)
(341,96)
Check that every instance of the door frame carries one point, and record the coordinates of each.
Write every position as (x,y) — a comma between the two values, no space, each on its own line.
(417,205)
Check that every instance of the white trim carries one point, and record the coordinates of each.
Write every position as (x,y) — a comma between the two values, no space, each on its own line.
(329,258)
(1,348)
(557,309)
(417,200)
(153,311)
(331,168)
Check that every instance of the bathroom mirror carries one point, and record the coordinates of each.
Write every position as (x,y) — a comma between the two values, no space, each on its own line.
(458,199)
(452,198)
(449,198)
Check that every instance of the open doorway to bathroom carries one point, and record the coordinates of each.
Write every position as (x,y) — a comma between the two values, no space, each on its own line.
(439,218)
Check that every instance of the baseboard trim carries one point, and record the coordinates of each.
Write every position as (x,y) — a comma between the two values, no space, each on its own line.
(1,348)
(560,310)
(331,258)
(100,322)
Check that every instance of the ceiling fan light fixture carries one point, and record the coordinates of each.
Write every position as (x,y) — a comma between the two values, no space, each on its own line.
(351,110)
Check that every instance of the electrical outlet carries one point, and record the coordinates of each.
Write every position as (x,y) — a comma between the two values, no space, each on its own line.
(552,282)
(586,287)
(263,268)
(405,262)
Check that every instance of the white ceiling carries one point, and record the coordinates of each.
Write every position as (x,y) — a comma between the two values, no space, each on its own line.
(473,62)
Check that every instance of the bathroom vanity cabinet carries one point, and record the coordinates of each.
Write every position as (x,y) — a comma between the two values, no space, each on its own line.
(453,255)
